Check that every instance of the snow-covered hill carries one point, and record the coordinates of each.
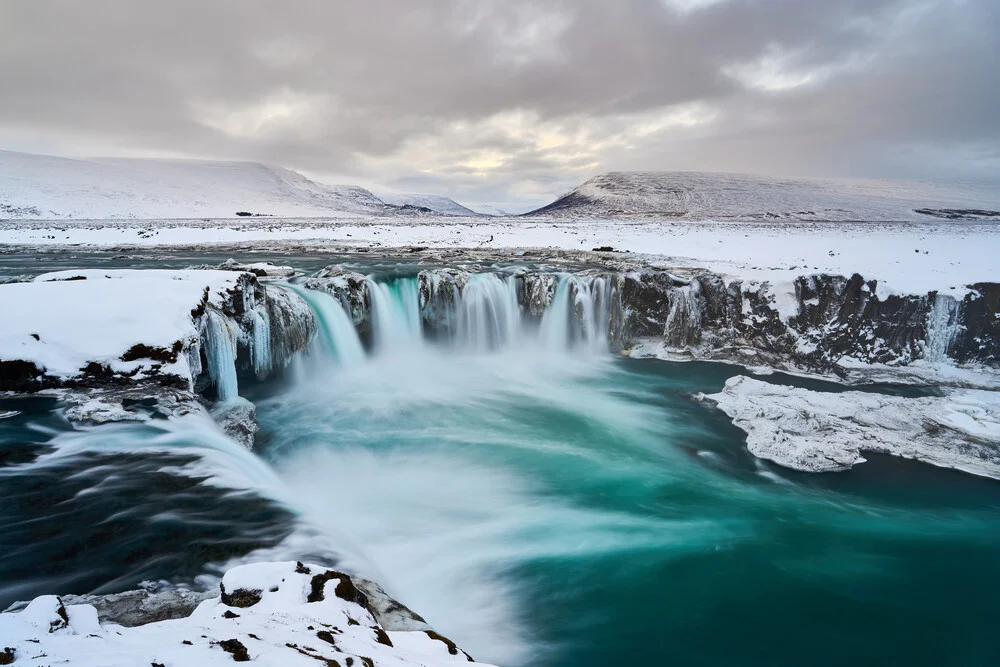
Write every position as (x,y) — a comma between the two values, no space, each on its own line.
(45,187)
(701,196)
(433,203)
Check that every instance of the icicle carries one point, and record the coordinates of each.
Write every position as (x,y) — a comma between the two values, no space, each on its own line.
(260,342)
(683,326)
(220,350)
(942,327)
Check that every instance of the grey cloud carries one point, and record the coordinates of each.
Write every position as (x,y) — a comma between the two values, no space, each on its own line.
(390,91)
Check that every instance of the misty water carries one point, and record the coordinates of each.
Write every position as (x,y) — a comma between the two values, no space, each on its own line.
(536,498)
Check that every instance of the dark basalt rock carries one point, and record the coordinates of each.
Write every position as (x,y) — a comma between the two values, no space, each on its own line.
(452,647)
(346,590)
(23,376)
(236,649)
(978,336)
(241,597)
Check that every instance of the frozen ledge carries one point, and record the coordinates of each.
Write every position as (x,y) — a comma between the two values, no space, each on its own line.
(823,432)
(279,614)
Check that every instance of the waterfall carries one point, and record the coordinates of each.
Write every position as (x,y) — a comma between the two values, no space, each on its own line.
(593,305)
(220,351)
(395,313)
(337,338)
(942,327)
(579,314)
(554,332)
(488,313)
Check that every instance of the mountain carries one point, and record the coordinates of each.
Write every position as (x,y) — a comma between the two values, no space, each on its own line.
(46,187)
(701,196)
(433,203)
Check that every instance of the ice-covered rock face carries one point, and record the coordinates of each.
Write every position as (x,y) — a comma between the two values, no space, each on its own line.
(811,324)
(348,287)
(274,614)
(131,332)
(537,293)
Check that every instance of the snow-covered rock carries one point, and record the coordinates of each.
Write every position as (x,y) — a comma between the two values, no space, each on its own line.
(708,196)
(821,431)
(263,270)
(281,614)
(111,329)
(93,325)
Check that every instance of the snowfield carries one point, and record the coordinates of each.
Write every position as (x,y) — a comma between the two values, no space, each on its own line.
(907,258)
(280,614)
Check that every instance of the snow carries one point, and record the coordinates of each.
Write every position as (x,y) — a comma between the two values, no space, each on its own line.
(822,432)
(45,187)
(908,258)
(61,323)
(699,196)
(282,629)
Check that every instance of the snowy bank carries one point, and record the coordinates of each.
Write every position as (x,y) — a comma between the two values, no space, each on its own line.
(822,432)
(116,337)
(131,323)
(283,614)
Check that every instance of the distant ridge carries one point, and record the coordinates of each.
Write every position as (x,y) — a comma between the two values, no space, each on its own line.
(703,196)
(46,187)
(433,203)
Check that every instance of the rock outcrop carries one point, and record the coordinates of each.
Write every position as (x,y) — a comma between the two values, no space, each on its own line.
(300,611)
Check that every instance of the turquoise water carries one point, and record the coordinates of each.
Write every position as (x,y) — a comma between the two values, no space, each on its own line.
(568,509)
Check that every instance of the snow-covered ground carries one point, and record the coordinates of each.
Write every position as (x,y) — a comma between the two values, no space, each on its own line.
(700,196)
(905,257)
(821,431)
(295,622)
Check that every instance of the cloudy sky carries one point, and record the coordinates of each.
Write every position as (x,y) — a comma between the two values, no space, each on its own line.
(511,101)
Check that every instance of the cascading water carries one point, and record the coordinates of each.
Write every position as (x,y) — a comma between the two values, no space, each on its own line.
(489,316)
(395,314)
(220,351)
(942,327)
(554,332)
(580,313)
(337,338)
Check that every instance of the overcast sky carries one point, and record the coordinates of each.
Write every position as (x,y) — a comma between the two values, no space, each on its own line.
(511,101)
